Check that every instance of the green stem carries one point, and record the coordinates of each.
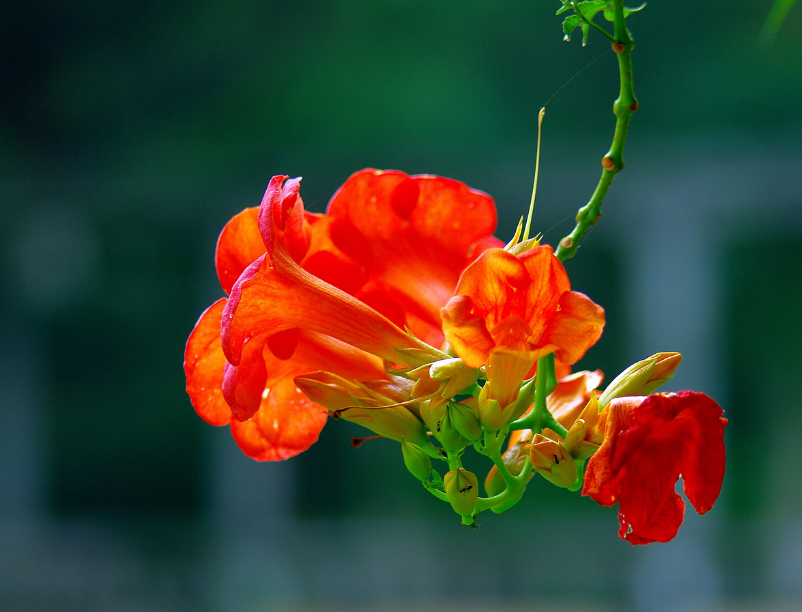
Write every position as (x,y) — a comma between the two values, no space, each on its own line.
(436,492)
(516,485)
(613,162)
(545,383)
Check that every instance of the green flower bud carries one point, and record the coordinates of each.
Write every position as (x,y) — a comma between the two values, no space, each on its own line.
(417,461)
(465,421)
(642,378)
(449,435)
(432,415)
(437,419)
(462,488)
(491,416)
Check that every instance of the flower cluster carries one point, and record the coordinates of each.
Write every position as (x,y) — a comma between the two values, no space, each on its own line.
(399,310)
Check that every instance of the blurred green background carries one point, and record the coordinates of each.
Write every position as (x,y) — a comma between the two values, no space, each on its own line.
(130,132)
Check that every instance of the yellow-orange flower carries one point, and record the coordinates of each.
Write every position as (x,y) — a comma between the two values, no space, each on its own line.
(509,310)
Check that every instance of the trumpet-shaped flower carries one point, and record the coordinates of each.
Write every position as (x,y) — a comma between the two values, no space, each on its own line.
(509,310)
(648,443)
(327,292)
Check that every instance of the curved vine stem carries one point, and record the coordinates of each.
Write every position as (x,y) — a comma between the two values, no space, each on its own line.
(613,161)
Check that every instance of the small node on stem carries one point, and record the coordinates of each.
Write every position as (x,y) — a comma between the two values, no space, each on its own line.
(608,163)
(566,243)
(618,48)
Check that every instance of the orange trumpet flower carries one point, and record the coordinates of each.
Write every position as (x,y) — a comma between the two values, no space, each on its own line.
(311,292)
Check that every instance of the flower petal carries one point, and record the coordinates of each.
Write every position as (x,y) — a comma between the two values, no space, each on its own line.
(575,327)
(281,217)
(648,443)
(494,282)
(423,231)
(244,384)
(203,365)
(466,333)
(571,395)
(268,299)
(239,244)
(286,424)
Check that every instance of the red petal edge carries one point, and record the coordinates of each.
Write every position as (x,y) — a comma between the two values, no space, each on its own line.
(647,446)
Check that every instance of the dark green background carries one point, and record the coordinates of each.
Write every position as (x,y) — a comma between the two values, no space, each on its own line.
(130,132)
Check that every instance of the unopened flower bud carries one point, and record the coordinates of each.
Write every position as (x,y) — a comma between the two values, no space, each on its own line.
(449,435)
(437,419)
(372,405)
(465,421)
(417,461)
(523,402)
(552,460)
(643,377)
(455,373)
(462,488)
(491,416)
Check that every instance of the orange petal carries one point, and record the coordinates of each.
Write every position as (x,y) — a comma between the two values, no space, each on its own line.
(575,327)
(423,231)
(286,424)
(281,217)
(203,365)
(548,282)
(567,401)
(270,299)
(239,244)
(244,384)
(466,333)
(494,282)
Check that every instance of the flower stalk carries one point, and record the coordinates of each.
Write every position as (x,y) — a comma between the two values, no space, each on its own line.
(613,161)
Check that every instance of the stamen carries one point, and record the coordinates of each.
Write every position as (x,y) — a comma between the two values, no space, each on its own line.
(537,169)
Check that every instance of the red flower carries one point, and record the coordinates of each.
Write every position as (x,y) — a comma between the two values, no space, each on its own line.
(326,292)
(648,443)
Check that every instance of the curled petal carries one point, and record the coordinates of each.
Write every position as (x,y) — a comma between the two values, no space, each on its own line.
(493,283)
(243,385)
(648,443)
(549,282)
(286,424)
(281,217)
(466,333)
(203,365)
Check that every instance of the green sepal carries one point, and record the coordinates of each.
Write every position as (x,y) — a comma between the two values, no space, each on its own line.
(437,481)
